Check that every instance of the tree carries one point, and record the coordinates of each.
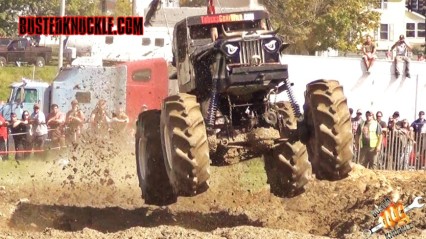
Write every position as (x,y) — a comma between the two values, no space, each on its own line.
(312,25)
(123,8)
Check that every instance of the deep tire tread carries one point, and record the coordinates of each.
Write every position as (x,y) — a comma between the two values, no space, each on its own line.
(156,187)
(329,120)
(190,157)
(285,180)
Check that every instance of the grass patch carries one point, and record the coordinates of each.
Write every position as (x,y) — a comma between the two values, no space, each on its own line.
(9,75)
(253,174)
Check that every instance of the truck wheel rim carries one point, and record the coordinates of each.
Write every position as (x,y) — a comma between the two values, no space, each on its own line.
(142,159)
(168,147)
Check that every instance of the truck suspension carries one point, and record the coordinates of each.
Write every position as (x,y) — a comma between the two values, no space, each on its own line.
(214,97)
(293,102)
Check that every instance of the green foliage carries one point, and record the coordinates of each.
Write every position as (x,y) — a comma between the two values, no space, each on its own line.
(311,25)
(123,8)
(9,75)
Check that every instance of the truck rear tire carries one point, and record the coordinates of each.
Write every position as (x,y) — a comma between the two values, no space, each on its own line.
(330,144)
(3,61)
(153,179)
(287,166)
(185,147)
(40,62)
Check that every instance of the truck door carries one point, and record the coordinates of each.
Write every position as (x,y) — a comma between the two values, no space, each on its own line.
(13,51)
(147,84)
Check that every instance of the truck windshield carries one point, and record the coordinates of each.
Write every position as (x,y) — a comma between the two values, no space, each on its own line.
(28,96)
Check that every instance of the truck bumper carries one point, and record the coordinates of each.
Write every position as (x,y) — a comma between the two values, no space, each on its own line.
(257,75)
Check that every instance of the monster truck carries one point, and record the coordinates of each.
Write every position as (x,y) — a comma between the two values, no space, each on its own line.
(228,69)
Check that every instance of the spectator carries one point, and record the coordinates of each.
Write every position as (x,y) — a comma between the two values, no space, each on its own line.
(20,130)
(74,122)
(356,121)
(119,121)
(419,123)
(3,138)
(379,118)
(421,57)
(395,118)
(395,143)
(99,119)
(369,140)
(407,138)
(55,123)
(402,55)
(384,125)
(39,127)
(369,51)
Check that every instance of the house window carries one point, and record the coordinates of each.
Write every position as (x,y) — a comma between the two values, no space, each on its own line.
(421,29)
(109,40)
(159,42)
(146,41)
(384,31)
(410,30)
(381,4)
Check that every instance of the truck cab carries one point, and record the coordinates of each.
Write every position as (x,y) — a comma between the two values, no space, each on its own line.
(23,96)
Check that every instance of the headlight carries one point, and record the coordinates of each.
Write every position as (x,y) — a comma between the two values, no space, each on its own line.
(271,45)
(230,49)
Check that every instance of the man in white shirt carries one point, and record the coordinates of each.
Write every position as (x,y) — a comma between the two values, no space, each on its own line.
(38,121)
(402,55)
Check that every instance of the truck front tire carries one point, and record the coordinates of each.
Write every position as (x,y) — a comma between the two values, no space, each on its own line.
(330,144)
(153,179)
(3,61)
(185,147)
(40,62)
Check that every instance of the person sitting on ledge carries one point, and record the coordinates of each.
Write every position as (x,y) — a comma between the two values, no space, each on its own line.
(369,51)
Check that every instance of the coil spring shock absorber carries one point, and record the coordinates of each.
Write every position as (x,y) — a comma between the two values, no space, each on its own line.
(294,105)
(211,116)
(211,113)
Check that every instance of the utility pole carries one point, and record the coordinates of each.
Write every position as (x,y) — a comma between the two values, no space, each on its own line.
(61,39)
(134,6)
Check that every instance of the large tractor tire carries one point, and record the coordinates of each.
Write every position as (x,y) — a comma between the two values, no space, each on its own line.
(185,147)
(327,117)
(287,166)
(152,174)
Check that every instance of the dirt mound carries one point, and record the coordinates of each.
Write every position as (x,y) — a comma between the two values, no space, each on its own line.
(92,191)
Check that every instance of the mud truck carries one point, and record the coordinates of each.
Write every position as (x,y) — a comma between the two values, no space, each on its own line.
(229,72)
(129,85)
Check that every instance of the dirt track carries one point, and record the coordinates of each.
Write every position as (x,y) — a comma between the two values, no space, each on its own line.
(96,195)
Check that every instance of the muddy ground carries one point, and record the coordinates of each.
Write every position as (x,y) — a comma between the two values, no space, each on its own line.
(92,191)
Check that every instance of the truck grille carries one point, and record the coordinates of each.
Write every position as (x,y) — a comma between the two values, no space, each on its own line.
(249,49)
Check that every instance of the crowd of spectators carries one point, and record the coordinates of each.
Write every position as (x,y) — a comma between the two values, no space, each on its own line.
(395,143)
(31,132)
